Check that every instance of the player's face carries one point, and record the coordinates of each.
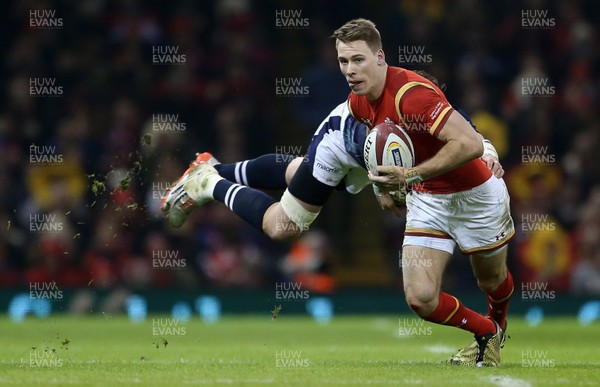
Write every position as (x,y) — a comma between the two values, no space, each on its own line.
(362,68)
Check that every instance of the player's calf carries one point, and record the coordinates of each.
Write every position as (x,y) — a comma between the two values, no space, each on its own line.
(496,281)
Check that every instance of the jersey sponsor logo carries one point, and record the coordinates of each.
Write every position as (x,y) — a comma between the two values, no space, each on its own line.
(436,110)
(326,168)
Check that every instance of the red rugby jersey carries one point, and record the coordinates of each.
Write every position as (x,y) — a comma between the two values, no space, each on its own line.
(421,109)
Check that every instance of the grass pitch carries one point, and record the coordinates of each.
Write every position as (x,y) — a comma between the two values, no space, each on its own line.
(291,350)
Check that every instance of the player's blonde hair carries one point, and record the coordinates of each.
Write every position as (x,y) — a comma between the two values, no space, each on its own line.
(359,29)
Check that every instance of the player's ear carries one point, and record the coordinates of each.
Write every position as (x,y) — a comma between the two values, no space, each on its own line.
(380,57)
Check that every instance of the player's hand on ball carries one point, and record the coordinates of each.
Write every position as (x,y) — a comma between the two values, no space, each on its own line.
(389,178)
(494,165)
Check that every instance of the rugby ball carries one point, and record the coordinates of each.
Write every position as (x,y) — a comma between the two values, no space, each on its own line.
(388,144)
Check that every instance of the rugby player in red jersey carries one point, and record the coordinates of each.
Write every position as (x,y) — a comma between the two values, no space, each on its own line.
(454,200)
(333,160)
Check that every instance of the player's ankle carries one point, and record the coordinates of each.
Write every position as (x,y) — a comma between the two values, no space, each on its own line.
(502,322)
(211,182)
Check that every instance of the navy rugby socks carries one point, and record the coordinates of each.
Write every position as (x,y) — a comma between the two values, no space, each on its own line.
(249,204)
(265,172)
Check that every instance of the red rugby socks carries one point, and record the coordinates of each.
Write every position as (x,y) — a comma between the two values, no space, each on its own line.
(450,311)
(499,299)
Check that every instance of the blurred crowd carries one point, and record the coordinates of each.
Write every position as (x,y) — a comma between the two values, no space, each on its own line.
(137,89)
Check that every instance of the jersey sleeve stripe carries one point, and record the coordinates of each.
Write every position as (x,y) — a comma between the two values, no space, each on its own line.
(438,124)
(403,90)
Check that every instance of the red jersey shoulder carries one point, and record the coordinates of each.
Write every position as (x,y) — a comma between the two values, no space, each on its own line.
(407,99)
(420,104)
(359,109)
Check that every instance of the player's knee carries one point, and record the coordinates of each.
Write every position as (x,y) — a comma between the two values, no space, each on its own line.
(422,301)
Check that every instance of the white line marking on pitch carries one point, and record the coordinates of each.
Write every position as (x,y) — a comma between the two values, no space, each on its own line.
(440,348)
(507,381)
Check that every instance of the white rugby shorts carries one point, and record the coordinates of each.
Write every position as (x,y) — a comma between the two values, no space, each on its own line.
(477,220)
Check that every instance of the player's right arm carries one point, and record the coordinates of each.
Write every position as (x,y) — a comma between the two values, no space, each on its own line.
(462,144)
(421,103)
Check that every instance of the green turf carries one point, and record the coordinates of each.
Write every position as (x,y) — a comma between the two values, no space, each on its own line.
(288,351)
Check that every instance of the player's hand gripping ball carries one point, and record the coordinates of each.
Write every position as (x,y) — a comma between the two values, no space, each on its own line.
(388,144)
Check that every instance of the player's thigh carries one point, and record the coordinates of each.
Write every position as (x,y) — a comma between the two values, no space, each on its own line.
(292,168)
(422,270)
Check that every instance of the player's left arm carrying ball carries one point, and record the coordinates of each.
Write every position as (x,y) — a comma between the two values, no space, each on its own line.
(462,144)
(489,157)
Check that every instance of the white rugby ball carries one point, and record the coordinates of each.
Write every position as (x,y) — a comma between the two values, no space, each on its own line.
(388,144)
